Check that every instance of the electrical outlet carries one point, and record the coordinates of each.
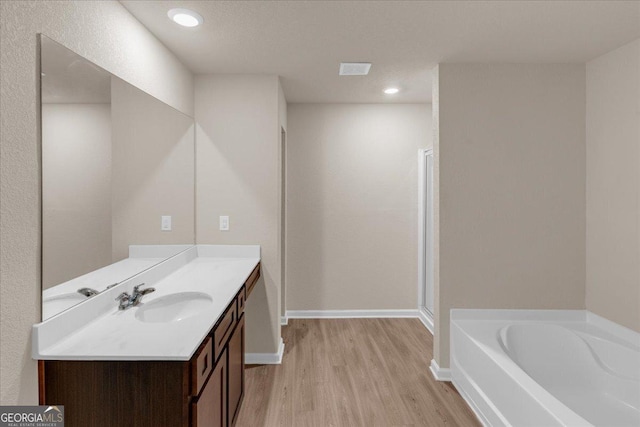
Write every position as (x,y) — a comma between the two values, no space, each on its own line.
(224,223)
(165,223)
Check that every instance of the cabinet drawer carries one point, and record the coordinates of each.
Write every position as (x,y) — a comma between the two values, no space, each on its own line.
(241,298)
(201,366)
(252,280)
(224,328)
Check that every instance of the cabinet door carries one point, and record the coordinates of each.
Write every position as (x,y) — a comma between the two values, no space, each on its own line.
(236,371)
(210,408)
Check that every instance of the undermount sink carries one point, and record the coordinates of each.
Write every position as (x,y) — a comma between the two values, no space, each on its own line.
(174,307)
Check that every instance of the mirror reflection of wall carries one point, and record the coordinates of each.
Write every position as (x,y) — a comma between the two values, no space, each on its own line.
(76,160)
(114,161)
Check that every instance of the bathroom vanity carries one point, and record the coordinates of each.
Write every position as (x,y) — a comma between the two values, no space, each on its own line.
(110,349)
(176,359)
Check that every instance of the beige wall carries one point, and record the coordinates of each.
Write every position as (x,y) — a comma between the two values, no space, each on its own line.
(76,193)
(352,205)
(511,162)
(613,185)
(105,33)
(153,171)
(238,174)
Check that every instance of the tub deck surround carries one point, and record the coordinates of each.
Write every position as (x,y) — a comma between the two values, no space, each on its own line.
(97,330)
(546,367)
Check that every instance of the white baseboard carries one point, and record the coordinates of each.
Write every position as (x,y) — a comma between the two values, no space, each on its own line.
(265,358)
(426,318)
(284,320)
(440,374)
(350,314)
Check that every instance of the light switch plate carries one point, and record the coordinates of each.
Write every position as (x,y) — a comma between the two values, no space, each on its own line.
(224,223)
(165,223)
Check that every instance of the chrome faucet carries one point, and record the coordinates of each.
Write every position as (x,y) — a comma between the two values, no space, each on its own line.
(88,292)
(133,300)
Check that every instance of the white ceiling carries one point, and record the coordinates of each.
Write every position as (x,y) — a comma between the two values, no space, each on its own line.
(304,41)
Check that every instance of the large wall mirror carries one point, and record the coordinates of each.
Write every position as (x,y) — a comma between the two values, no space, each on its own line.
(117,179)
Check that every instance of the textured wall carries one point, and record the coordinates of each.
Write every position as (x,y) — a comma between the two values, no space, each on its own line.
(613,185)
(238,174)
(352,182)
(76,193)
(511,170)
(105,33)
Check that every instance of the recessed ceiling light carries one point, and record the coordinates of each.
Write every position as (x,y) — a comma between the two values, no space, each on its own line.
(185,17)
(391,90)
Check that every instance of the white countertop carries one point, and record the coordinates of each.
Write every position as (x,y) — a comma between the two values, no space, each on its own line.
(119,335)
(58,298)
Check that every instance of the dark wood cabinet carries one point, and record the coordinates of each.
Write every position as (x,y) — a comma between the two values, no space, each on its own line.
(224,328)
(206,391)
(209,410)
(118,393)
(236,370)
(201,366)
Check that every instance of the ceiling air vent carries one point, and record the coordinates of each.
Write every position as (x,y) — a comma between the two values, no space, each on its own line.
(354,68)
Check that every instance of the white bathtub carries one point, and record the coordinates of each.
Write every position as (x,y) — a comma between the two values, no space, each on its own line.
(546,368)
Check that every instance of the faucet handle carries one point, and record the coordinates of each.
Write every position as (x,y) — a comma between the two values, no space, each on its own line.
(125,301)
(137,290)
(122,296)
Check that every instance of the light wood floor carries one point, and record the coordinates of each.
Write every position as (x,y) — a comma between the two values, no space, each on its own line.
(352,372)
